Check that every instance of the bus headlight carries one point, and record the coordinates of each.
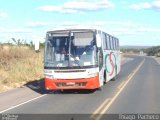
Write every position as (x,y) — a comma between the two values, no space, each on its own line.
(49,76)
(92,74)
(47,71)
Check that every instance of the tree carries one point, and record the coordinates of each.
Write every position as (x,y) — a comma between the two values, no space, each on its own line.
(153,51)
(18,41)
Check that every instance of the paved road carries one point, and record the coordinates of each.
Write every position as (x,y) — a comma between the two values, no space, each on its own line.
(136,90)
(142,94)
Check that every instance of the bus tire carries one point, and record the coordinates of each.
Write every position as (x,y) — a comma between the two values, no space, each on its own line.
(115,77)
(105,77)
(100,88)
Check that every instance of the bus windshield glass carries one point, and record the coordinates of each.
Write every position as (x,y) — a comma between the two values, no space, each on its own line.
(70,49)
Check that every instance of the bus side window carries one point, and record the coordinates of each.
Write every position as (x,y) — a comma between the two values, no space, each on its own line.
(104,41)
(107,42)
(117,44)
(111,43)
(114,43)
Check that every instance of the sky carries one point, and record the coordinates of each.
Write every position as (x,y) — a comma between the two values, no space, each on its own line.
(134,22)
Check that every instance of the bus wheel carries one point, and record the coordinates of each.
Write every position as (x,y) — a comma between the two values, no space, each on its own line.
(105,77)
(115,77)
(100,88)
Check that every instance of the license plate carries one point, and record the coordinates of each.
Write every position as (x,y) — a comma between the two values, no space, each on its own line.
(70,83)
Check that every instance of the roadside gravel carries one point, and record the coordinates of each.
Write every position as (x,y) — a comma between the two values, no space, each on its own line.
(157,59)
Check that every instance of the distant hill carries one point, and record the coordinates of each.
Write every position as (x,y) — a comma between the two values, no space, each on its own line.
(149,50)
(134,47)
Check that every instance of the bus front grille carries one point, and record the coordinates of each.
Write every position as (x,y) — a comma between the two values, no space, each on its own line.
(79,84)
(68,71)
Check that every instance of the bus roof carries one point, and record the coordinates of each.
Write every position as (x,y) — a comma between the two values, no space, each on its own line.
(75,28)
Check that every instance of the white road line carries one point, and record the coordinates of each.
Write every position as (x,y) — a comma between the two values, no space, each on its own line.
(119,92)
(22,103)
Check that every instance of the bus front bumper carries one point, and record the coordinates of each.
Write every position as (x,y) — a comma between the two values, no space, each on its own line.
(62,84)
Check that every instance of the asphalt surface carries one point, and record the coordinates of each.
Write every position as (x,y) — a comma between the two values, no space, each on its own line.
(142,94)
(136,90)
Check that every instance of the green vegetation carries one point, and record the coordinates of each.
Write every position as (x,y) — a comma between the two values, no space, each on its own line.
(153,51)
(130,50)
(150,51)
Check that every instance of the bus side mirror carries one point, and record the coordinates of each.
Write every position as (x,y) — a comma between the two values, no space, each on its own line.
(36,46)
(98,40)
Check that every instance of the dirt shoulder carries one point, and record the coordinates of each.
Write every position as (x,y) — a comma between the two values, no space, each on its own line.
(157,59)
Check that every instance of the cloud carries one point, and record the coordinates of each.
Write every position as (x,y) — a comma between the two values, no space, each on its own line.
(119,23)
(134,30)
(113,27)
(122,31)
(3,14)
(78,6)
(59,9)
(121,28)
(21,33)
(13,30)
(38,24)
(98,23)
(18,33)
(155,5)
(155,30)
(70,23)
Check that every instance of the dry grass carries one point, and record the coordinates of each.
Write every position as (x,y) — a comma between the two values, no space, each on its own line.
(19,65)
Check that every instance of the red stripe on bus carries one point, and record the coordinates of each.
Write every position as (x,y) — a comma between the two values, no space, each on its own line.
(91,83)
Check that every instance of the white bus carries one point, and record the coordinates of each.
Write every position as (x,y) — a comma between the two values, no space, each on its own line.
(80,59)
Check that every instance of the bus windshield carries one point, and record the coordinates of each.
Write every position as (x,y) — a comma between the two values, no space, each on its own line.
(70,49)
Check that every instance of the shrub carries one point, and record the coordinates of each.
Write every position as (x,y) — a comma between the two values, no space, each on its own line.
(19,65)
